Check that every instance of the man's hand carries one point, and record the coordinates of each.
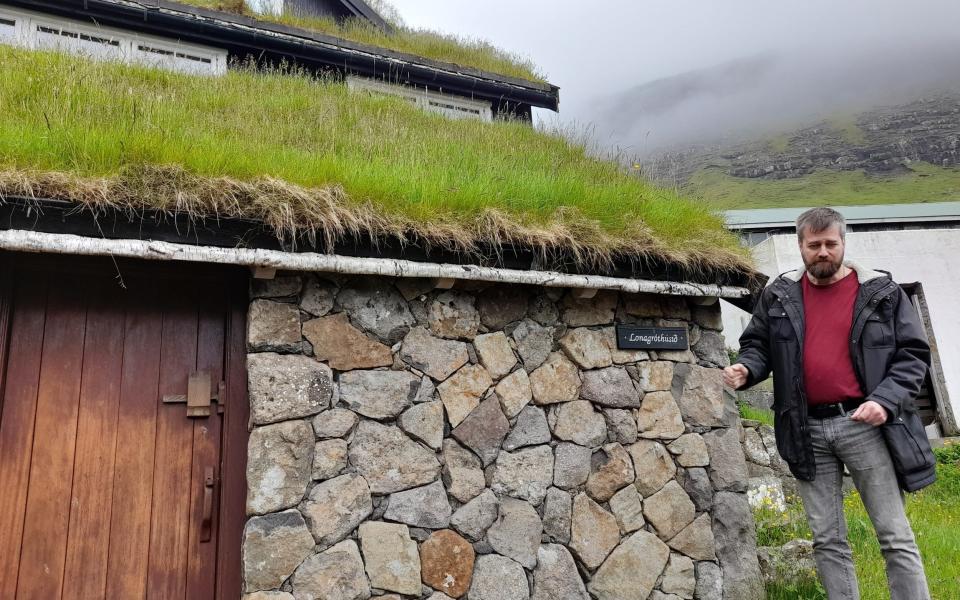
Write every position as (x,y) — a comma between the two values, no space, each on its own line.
(735,376)
(870,412)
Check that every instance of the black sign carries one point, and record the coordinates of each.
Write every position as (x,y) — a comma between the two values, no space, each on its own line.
(632,337)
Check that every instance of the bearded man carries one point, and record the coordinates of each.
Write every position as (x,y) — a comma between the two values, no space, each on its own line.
(848,356)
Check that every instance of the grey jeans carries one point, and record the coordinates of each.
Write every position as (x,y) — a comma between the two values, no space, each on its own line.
(839,441)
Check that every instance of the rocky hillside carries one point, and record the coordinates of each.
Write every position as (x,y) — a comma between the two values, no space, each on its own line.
(904,153)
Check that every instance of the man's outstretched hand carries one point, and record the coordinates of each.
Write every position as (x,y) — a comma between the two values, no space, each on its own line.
(870,412)
(735,376)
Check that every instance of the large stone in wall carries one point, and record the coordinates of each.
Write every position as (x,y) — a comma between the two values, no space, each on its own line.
(278,287)
(462,392)
(502,305)
(273,546)
(530,429)
(318,297)
(336,507)
(712,349)
(571,466)
(476,516)
(679,578)
(516,532)
(343,346)
(283,387)
(590,311)
(621,425)
(334,423)
(495,353)
(424,422)
(593,531)
(454,315)
(390,557)
(514,392)
(273,327)
(696,539)
(627,507)
(425,506)
(498,578)
(709,581)
(728,469)
(556,576)
(653,466)
(622,357)
(335,574)
(754,448)
(669,510)
(526,473)
(659,417)
(377,307)
(378,394)
(690,450)
(329,458)
(701,395)
(543,310)
(389,460)
(611,471)
(279,463)
(735,536)
(696,482)
(557,511)
(557,380)
(534,343)
(438,358)
(462,471)
(708,317)
(655,376)
(579,423)
(631,570)
(446,562)
(587,347)
(610,387)
(270,595)
(483,430)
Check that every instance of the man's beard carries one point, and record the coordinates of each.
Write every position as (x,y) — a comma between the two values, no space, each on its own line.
(824,269)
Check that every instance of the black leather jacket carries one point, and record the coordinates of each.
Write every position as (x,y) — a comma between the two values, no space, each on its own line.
(888,349)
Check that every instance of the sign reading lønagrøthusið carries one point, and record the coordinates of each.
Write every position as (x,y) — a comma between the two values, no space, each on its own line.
(632,337)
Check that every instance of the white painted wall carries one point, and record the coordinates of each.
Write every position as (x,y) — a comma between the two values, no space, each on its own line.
(931,257)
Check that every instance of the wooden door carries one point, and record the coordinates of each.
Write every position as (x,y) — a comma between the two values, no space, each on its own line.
(107,491)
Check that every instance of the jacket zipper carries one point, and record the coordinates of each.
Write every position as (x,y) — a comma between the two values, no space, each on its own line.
(854,339)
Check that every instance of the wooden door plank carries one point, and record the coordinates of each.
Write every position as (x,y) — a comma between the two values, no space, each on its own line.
(201,574)
(51,475)
(136,436)
(17,422)
(170,522)
(93,476)
(234,459)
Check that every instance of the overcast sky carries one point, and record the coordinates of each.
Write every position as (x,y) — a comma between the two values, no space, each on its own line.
(593,50)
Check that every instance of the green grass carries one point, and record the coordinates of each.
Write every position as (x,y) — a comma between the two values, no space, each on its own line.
(927,183)
(308,156)
(467,52)
(934,513)
(756,414)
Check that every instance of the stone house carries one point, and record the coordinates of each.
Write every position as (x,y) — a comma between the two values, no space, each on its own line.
(194,405)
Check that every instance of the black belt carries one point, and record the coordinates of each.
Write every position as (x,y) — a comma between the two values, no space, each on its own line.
(825,411)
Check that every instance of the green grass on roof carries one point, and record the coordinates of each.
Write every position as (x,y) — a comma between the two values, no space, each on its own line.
(924,183)
(466,52)
(307,156)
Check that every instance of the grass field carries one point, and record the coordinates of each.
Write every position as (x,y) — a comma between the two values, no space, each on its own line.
(927,183)
(459,50)
(934,513)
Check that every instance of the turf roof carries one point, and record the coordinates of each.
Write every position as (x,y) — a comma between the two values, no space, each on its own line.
(309,158)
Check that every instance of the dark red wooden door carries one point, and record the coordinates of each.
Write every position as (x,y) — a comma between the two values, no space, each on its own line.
(106,490)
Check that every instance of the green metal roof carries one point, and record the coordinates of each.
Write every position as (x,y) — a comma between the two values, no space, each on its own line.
(771,218)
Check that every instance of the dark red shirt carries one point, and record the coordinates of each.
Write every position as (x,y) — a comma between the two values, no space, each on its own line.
(828,314)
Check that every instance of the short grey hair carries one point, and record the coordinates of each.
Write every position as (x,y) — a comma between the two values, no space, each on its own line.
(820,219)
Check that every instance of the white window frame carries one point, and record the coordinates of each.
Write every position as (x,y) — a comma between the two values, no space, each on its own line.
(455,107)
(41,31)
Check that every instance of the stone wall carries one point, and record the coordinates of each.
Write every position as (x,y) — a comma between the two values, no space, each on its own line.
(488,443)
(770,480)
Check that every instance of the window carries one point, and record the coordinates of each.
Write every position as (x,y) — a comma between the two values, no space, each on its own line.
(36,30)
(455,107)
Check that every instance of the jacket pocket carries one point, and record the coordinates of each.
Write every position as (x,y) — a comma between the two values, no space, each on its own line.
(908,444)
(779,323)
(789,434)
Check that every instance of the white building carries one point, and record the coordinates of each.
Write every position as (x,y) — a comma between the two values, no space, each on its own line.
(916,243)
